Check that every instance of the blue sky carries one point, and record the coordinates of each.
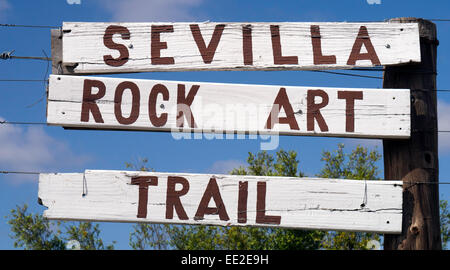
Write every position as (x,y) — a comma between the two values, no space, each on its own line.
(53,149)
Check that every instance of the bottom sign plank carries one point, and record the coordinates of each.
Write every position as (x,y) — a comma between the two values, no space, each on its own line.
(226,200)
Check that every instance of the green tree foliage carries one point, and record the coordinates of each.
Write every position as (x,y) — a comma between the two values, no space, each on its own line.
(149,236)
(88,235)
(359,164)
(188,237)
(34,232)
(445,223)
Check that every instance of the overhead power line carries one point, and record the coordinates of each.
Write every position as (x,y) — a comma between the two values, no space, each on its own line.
(17,172)
(21,80)
(4,122)
(42,80)
(31,58)
(348,74)
(21,123)
(439,20)
(29,26)
(37,173)
(8,55)
(58,27)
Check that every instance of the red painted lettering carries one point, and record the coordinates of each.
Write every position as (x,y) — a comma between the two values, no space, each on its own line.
(363,39)
(135,104)
(109,43)
(313,109)
(184,105)
(350,97)
(157,45)
(278,58)
(282,101)
(89,99)
(261,216)
(319,58)
(247,46)
(143,182)
(156,120)
(173,197)
(211,192)
(207,53)
(242,202)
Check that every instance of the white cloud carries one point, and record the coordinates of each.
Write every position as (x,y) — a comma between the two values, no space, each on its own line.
(225,166)
(444,124)
(151,10)
(372,2)
(4,7)
(32,149)
(74,2)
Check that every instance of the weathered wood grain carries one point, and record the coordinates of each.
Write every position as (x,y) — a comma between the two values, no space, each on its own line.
(416,160)
(288,202)
(138,47)
(230,108)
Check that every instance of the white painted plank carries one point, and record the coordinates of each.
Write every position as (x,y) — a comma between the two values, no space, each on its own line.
(304,203)
(84,45)
(229,108)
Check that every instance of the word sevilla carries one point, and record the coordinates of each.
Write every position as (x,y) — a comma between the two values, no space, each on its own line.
(185,100)
(211,192)
(207,50)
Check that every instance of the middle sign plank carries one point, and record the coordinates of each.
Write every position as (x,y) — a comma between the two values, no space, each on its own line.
(139,47)
(131,104)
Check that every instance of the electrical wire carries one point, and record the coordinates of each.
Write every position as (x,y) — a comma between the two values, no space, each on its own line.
(8,55)
(43,123)
(21,123)
(22,80)
(28,26)
(347,74)
(17,172)
(415,183)
(45,84)
(42,80)
(438,20)
(31,58)
(59,27)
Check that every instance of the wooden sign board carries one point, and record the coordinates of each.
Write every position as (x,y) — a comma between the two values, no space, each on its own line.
(130,104)
(227,200)
(138,47)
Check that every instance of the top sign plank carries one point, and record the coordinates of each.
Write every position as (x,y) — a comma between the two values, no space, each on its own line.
(95,48)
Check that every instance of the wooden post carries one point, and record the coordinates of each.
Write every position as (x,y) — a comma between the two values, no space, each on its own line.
(58,67)
(415,160)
